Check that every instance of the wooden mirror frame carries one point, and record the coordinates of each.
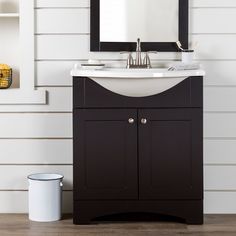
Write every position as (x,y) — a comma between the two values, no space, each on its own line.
(97,46)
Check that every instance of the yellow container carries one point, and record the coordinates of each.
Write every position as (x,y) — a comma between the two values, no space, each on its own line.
(5,77)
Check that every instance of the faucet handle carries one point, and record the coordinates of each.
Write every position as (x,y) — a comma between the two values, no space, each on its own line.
(130,60)
(147,60)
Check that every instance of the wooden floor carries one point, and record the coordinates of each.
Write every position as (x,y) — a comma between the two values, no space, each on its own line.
(19,225)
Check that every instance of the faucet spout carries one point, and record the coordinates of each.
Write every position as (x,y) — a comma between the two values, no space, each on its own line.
(138,60)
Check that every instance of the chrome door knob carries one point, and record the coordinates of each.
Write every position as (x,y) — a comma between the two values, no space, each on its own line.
(143,121)
(131,120)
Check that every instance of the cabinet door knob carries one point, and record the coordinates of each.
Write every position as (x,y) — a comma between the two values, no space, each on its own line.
(143,121)
(131,120)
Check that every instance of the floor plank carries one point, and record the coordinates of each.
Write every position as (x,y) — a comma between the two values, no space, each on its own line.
(19,225)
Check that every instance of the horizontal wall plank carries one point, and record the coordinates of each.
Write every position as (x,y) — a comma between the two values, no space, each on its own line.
(220,152)
(218,22)
(213,3)
(55,102)
(219,72)
(15,177)
(220,178)
(9,202)
(86,3)
(220,125)
(76,47)
(216,178)
(213,46)
(219,202)
(56,73)
(41,125)
(36,151)
(77,20)
(62,47)
(215,98)
(64,21)
(49,151)
(17,202)
(220,99)
(62,3)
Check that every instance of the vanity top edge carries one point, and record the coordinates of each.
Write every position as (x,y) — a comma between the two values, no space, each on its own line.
(135,73)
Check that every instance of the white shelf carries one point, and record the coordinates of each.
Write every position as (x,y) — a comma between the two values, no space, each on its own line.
(26,94)
(13,96)
(9,15)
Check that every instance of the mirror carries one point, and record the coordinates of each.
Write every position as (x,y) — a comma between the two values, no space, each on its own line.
(116,24)
(125,20)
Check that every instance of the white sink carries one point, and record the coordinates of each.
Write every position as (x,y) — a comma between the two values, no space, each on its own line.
(137,82)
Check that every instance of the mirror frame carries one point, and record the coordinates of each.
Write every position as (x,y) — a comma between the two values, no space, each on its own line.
(97,46)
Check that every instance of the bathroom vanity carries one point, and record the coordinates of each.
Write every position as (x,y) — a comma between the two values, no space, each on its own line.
(138,143)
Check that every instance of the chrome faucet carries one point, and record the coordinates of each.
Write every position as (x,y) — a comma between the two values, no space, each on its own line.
(138,62)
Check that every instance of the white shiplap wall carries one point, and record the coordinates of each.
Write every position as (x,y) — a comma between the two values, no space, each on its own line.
(38,138)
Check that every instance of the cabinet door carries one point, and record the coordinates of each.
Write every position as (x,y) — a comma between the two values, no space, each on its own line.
(105,154)
(170,148)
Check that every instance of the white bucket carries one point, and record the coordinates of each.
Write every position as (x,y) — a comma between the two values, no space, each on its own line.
(187,56)
(45,197)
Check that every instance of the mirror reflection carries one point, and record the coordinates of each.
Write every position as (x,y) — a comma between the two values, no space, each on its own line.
(150,20)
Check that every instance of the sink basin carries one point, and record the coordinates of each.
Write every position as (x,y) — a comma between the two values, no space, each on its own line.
(137,82)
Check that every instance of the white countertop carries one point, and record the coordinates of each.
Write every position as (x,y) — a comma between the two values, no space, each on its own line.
(134,73)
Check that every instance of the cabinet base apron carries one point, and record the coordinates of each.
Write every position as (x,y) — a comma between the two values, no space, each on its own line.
(189,210)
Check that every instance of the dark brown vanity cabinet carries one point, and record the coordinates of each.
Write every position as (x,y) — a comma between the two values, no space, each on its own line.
(136,158)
